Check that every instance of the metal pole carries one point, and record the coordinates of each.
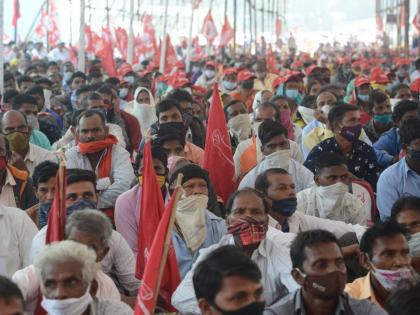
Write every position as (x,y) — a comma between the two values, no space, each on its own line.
(107,14)
(130,46)
(81,56)
(164,40)
(1,50)
(188,60)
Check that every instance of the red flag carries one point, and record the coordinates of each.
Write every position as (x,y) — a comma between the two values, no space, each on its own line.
(218,160)
(278,27)
(106,53)
(170,59)
(416,22)
(146,298)
(88,39)
(72,54)
(209,28)
(271,61)
(151,217)
(121,41)
(197,48)
(57,216)
(226,34)
(16,12)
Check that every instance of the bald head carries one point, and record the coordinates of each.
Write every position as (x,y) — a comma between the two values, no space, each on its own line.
(14,120)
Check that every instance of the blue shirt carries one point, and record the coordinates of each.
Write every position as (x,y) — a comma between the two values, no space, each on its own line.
(387,146)
(395,182)
(216,229)
(361,162)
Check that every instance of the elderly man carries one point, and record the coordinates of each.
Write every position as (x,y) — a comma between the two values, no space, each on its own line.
(67,272)
(98,151)
(196,226)
(25,155)
(249,231)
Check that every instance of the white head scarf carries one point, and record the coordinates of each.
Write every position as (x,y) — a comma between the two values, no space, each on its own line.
(145,113)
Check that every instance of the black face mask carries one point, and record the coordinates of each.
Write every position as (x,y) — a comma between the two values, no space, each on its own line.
(247,85)
(175,125)
(256,308)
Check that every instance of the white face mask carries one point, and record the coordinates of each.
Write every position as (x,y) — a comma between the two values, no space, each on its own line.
(255,126)
(191,219)
(68,306)
(326,109)
(129,79)
(389,279)
(240,126)
(123,92)
(33,121)
(230,86)
(329,199)
(278,159)
(209,74)
(306,113)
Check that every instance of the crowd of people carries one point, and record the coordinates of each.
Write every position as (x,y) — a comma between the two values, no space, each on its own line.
(326,150)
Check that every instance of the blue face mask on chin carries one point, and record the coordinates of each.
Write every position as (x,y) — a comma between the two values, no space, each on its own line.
(284,206)
(292,94)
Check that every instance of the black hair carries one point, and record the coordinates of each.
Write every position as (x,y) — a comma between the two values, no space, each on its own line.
(157,153)
(90,113)
(402,108)
(308,239)
(44,81)
(112,81)
(262,183)
(106,89)
(43,172)
(338,112)
(269,129)
(52,63)
(166,132)
(407,202)
(76,175)
(410,130)
(328,159)
(404,300)
(180,95)
(276,98)
(77,74)
(75,117)
(417,63)
(376,97)
(9,95)
(94,96)
(83,89)
(8,76)
(166,105)
(36,90)
(95,74)
(21,99)
(243,191)
(330,88)
(24,78)
(231,103)
(271,105)
(380,229)
(9,291)
(309,101)
(398,87)
(226,261)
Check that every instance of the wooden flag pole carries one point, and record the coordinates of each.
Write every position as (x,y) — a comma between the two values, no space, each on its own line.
(168,236)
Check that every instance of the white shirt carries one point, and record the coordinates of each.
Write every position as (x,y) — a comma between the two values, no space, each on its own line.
(57,55)
(28,282)
(299,222)
(120,178)
(119,260)
(7,195)
(302,177)
(36,155)
(272,258)
(16,233)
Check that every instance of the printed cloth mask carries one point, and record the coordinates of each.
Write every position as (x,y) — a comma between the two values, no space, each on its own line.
(81,205)
(389,279)
(328,286)
(351,133)
(248,232)
(18,141)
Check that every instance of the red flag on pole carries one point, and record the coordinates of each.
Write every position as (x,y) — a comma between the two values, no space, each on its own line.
(106,53)
(151,238)
(16,12)
(218,159)
(170,59)
(209,28)
(271,61)
(278,27)
(227,33)
(121,41)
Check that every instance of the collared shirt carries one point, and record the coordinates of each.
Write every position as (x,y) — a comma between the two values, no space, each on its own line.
(361,289)
(16,233)
(118,263)
(272,258)
(396,181)
(216,229)
(121,174)
(7,195)
(387,147)
(28,282)
(293,304)
(299,222)
(36,155)
(361,161)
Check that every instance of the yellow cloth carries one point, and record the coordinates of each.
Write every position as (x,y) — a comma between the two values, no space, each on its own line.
(361,289)
(315,136)
(267,84)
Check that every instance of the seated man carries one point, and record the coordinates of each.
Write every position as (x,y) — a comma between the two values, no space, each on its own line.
(225,273)
(380,110)
(98,151)
(385,253)
(25,155)
(248,152)
(81,194)
(402,178)
(318,267)
(276,149)
(196,227)
(69,262)
(344,120)
(44,181)
(330,198)
(238,123)
(171,140)
(248,231)
(388,146)
(11,300)
(15,185)
(277,185)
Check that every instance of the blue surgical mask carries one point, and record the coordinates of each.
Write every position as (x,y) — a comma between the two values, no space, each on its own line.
(67,76)
(383,119)
(292,94)
(123,92)
(73,100)
(230,86)
(284,206)
(363,97)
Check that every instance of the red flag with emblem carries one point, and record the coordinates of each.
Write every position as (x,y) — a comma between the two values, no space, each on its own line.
(227,33)
(209,28)
(218,159)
